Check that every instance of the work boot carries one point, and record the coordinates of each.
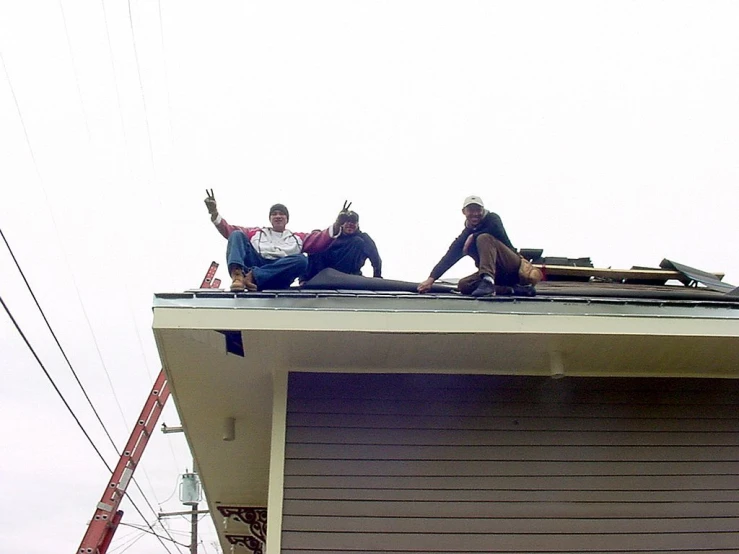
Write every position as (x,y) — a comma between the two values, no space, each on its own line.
(528,274)
(241,281)
(249,281)
(524,290)
(485,288)
(237,280)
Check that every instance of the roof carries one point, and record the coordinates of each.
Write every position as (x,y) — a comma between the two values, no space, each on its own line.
(555,295)
(227,355)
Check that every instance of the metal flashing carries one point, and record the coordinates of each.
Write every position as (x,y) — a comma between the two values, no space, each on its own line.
(448,303)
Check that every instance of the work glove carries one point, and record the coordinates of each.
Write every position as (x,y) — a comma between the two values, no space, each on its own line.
(210,203)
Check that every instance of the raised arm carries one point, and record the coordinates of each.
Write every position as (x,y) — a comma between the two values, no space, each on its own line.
(317,241)
(221,224)
(210,203)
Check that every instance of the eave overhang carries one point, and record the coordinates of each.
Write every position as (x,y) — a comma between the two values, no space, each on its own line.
(359,332)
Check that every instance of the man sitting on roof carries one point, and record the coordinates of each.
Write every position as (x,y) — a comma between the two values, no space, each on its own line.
(268,257)
(348,253)
(484,239)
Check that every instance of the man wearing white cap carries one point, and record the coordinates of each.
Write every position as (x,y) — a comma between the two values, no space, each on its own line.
(484,239)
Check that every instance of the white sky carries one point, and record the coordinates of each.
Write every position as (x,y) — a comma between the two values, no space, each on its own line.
(601,129)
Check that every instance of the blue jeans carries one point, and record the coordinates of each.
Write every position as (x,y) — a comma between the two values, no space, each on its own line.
(268,274)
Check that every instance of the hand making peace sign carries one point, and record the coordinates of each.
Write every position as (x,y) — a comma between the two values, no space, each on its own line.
(210,203)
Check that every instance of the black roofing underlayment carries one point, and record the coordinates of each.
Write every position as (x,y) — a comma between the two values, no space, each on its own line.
(714,290)
(332,279)
(332,283)
(698,276)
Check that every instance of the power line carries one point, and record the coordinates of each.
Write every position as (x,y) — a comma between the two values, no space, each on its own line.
(124,542)
(71,368)
(130,541)
(38,173)
(53,384)
(20,115)
(53,221)
(53,334)
(141,86)
(152,533)
(69,408)
(79,296)
(111,57)
(166,73)
(117,89)
(82,104)
(74,282)
(74,69)
(143,98)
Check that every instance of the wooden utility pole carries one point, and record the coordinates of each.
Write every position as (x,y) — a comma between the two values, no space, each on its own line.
(192,496)
(194,530)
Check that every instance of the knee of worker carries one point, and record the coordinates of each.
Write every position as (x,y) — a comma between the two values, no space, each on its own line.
(237,236)
(299,261)
(485,240)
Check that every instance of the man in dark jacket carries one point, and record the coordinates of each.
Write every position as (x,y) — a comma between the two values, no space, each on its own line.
(348,252)
(485,239)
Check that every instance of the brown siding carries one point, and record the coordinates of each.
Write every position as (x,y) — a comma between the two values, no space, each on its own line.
(440,463)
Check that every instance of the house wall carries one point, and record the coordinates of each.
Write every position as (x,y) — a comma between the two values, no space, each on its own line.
(440,463)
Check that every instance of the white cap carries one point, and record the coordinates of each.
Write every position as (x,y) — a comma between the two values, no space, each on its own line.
(473,200)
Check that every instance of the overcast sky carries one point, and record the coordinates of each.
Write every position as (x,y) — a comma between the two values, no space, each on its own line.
(601,129)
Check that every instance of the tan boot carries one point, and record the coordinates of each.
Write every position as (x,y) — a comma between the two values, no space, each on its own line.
(237,280)
(249,282)
(528,274)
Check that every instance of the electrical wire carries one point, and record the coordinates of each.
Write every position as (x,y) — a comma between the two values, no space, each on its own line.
(23,124)
(170,496)
(38,173)
(74,70)
(76,287)
(71,368)
(84,112)
(111,58)
(56,340)
(143,98)
(53,384)
(129,542)
(117,90)
(166,73)
(69,408)
(140,528)
(53,220)
(141,86)
(123,541)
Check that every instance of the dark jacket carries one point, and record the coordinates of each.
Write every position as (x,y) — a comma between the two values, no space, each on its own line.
(347,253)
(490,224)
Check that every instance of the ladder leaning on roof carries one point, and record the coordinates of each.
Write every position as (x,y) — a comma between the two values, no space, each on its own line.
(107,516)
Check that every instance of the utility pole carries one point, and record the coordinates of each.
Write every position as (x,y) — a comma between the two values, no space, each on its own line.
(190,495)
(194,530)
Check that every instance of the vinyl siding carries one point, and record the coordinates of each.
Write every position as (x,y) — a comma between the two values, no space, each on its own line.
(454,463)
